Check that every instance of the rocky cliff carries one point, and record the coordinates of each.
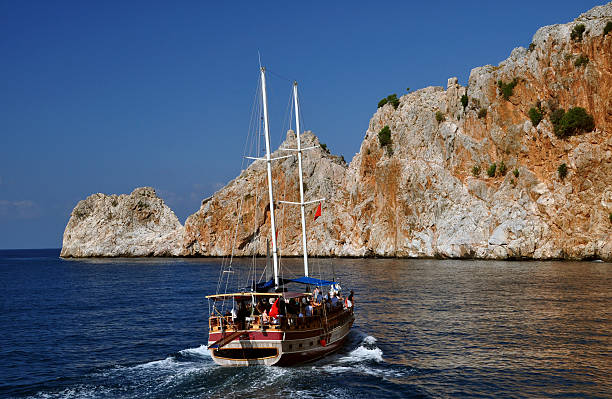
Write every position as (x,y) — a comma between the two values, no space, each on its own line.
(139,224)
(427,193)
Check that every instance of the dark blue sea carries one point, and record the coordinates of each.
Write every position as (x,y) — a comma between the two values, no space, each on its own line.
(137,328)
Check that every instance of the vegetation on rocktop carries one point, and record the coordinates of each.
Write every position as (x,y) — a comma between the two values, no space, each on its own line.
(581,60)
(491,170)
(575,121)
(390,99)
(562,170)
(502,169)
(79,213)
(384,136)
(439,116)
(324,147)
(507,89)
(577,32)
(536,114)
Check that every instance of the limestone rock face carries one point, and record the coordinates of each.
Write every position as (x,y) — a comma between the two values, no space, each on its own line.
(240,211)
(139,224)
(424,201)
(419,196)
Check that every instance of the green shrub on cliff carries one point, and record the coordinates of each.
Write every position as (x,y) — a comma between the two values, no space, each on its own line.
(507,89)
(491,170)
(608,28)
(390,99)
(475,170)
(581,60)
(464,100)
(516,173)
(577,32)
(610,213)
(502,168)
(324,147)
(439,116)
(576,120)
(562,170)
(384,136)
(482,113)
(536,115)
(393,100)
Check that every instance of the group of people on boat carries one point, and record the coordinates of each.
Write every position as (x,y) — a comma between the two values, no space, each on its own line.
(272,310)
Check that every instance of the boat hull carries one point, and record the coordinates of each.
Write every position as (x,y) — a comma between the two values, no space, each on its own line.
(280,348)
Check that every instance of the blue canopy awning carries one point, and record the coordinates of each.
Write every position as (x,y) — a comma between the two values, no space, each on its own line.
(312,281)
(264,286)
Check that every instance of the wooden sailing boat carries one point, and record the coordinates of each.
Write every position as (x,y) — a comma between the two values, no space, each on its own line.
(302,325)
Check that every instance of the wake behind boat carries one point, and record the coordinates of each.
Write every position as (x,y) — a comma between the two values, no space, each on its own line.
(278,321)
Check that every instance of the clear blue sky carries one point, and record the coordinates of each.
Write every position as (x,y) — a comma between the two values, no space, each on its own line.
(109,96)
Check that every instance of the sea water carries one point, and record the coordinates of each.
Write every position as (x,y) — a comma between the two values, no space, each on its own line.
(137,328)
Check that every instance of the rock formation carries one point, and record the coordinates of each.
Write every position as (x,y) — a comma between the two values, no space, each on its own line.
(427,193)
(139,224)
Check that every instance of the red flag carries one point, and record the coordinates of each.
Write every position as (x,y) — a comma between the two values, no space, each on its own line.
(318,212)
(274,309)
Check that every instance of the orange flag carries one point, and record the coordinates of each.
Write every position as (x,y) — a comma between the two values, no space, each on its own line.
(318,212)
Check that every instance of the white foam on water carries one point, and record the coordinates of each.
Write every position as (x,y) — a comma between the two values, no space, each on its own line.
(361,354)
(364,352)
(271,375)
(169,362)
(201,351)
(80,391)
(369,340)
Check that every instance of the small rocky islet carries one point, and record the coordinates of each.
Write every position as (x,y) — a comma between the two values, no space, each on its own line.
(517,165)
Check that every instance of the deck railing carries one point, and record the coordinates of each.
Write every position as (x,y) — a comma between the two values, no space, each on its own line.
(292,322)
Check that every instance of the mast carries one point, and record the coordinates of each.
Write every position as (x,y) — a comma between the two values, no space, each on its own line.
(269,164)
(299,152)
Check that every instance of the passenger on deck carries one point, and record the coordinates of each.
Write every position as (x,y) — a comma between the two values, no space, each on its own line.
(317,298)
(309,310)
(349,300)
(260,307)
(334,300)
(264,317)
(282,307)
